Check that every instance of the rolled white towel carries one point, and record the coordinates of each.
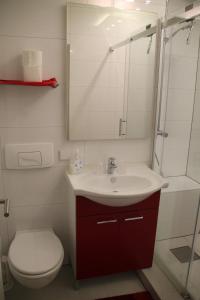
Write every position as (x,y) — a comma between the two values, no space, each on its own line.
(32,65)
(32,58)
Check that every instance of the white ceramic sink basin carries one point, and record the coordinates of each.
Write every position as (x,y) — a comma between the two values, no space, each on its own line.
(117,190)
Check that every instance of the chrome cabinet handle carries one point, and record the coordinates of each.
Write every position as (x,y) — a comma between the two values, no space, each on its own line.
(105,222)
(5,202)
(162,133)
(134,219)
(121,122)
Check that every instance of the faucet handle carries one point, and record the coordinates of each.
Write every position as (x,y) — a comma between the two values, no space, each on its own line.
(111,165)
(112,159)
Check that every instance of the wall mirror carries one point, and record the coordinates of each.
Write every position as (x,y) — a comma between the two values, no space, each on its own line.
(110,93)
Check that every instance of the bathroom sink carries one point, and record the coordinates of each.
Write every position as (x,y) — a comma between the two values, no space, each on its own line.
(117,190)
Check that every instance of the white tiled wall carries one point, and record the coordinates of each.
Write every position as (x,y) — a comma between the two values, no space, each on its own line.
(176,7)
(31,114)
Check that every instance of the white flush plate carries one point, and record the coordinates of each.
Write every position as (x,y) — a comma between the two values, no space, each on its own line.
(29,156)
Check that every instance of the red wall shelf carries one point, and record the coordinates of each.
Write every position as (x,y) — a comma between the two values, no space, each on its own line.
(52,82)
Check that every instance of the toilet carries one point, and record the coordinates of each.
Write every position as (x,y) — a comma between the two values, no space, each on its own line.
(35,257)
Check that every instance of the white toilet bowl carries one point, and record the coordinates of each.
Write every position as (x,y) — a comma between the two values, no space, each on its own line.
(35,257)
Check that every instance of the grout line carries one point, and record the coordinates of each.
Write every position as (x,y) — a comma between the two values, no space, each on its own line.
(42,126)
(31,170)
(173,238)
(29,205)
(32,37)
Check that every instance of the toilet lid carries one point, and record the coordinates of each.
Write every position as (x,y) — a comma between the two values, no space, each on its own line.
(35,252)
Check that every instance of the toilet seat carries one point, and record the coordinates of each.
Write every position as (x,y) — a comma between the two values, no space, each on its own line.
(35,277)
(35,253)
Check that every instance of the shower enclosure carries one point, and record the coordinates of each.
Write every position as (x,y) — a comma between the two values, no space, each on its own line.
(167,68)
(177,155)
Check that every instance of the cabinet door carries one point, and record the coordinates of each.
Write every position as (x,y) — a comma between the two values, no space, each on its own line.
(137,239)
(97,246)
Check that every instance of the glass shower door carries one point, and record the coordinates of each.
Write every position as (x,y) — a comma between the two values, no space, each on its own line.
(193,279)
(140,84)
(193,171)
(160,133)
(179,202)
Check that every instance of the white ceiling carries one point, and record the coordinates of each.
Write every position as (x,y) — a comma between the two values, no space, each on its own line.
(157,6)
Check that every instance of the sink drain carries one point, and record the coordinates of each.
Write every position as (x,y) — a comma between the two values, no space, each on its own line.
(115,191)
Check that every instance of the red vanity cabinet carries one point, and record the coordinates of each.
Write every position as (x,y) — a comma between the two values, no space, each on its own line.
(137,238)
(114,239)
(97,246)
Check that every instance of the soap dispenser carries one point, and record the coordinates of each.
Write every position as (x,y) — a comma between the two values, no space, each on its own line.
(76,163)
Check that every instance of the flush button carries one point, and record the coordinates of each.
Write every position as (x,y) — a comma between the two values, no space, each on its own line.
(29,156)
(29,159)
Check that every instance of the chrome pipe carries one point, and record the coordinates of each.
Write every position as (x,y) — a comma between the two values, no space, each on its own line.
(6,204)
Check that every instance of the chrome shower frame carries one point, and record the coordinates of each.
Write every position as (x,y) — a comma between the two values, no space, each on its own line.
(157,92)
(149,31)
(189,26)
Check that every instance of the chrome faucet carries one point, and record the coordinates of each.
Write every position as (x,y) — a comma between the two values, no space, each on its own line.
(111,165)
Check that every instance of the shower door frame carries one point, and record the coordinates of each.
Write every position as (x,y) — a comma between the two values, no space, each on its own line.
(196,229)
